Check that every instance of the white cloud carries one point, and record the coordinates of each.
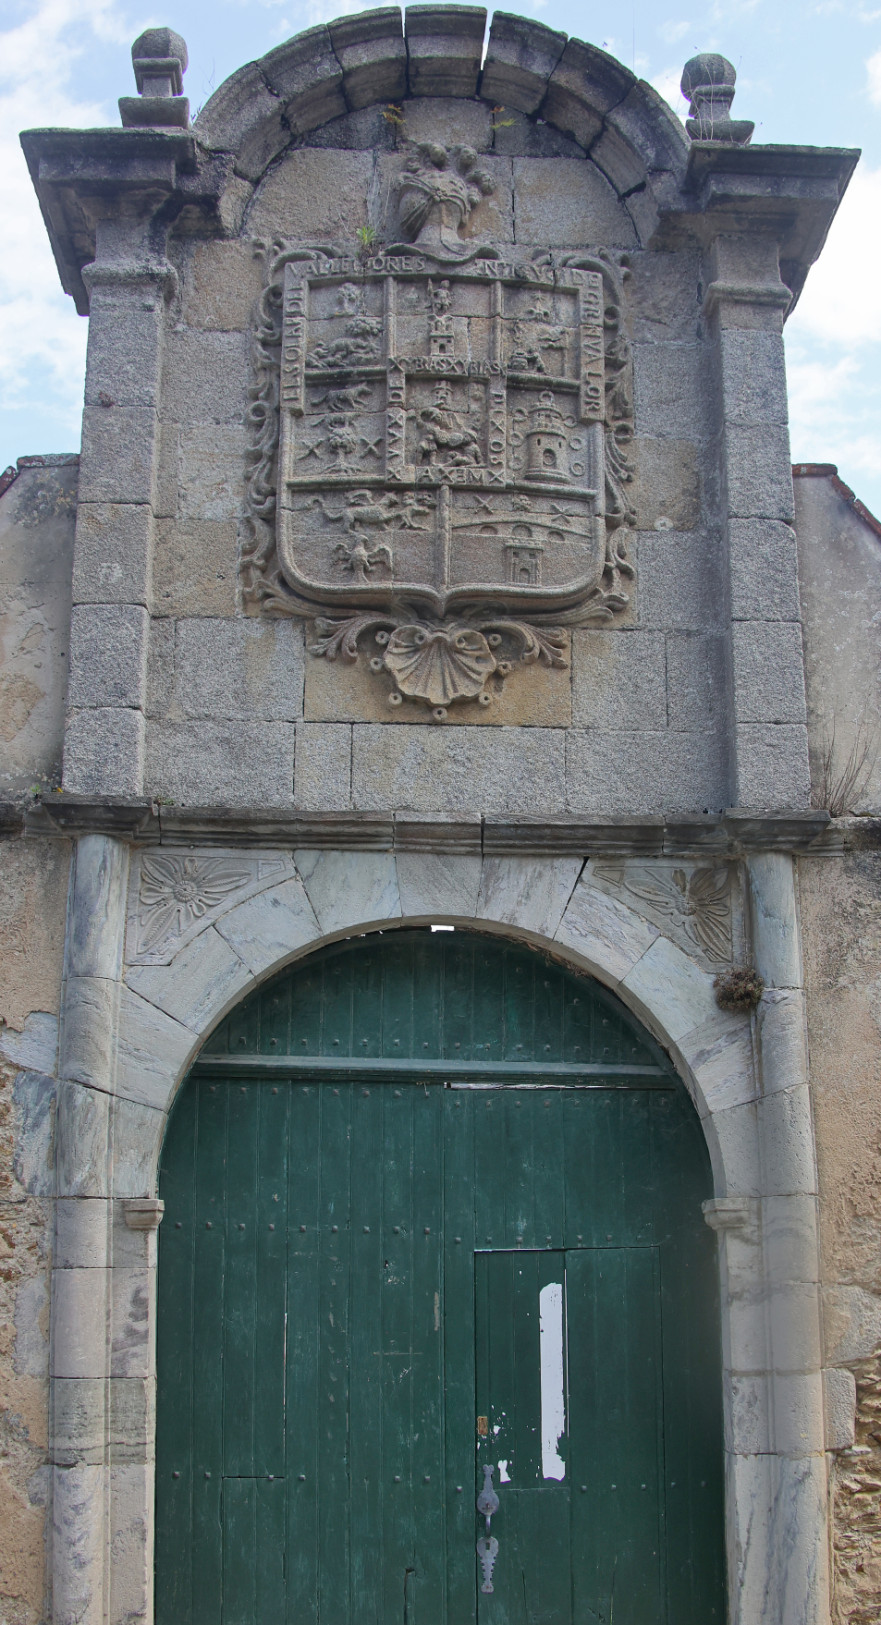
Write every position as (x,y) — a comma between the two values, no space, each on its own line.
(666,83)
(841,302)
(42,342)
(671,33)
(873,71)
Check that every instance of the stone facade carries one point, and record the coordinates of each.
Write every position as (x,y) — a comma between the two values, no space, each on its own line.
(433,556)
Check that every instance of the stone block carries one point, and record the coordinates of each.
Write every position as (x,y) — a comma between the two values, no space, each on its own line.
(108,655)
(104,752)
(582,88)
(159,693)
(666,489)
(365,130)
(79,1331)
(696,680)
(753,374)
(118,457)
(152,1053)
(132,1496)
(82,1229)
(609,937)
(772,766)
(371,52)
(194,567)
(444,48)
(97,915)
(564,203)
(78,1420)
(316,195)
(245,118)
(797,1402)
(794,1324)
(131,1417)
(616,159)
(720,1054)
(323,767)
(520,57)
(747,1418)
(783,1043)
(787,1132)
(206,376)
(111,562)
(768,670)
(649,126)
(221,285)
(678,581)
(350,888)
(764,570)
(307,75)
(202,763)
(676,995)
(671,391)
(83,1123)
(431,118)
(244,669)
(137,1132)
(851,1324)
(211,471)
(78,1544)
(131,1291)
(435,885)
(198,984)
(790,1237)
(736,1135)
(663,297)
(636,773)
(535,696)
(521,137)
(840,1403)
(776,946)
(87,1032)
(166,496)
(758,472)
(125,345)
(267,929)
(619,680)
(528,893)
(490,770)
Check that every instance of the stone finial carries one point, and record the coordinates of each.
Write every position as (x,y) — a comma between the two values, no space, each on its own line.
(708,81)
(159,58)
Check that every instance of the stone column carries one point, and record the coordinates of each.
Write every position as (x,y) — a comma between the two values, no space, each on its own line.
(799,1571)
(81,1276)
(128,283)
(745,303)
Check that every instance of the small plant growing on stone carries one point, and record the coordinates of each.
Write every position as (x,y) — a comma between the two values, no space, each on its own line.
(366,236)
(840,780)
(739,989)
(393,114)
(500,123)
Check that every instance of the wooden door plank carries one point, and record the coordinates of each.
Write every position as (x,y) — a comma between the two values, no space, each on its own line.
(457,1325)
(334,1376)
(302,1402)
(270,1329)
(365,1353)
(208,1312)
(240,1285)
(428,1366)
(400,1557)
(175,1352)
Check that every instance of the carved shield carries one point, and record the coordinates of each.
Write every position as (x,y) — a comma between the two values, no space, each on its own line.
(441,436)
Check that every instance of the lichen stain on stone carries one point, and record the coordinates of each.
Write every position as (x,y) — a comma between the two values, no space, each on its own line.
(49,497)
(856,1495)
(18,698)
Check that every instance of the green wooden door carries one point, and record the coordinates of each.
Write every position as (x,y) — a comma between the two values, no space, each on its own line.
(433,1203)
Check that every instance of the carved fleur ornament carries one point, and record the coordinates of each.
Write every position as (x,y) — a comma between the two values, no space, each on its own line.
(175,892)
(438,450)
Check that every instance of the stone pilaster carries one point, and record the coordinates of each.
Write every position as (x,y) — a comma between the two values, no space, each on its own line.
(745,302)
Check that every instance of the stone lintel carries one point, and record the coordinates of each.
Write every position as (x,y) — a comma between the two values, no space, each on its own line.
(730,835)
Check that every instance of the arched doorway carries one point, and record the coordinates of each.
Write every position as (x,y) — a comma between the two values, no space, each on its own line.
(433,1205)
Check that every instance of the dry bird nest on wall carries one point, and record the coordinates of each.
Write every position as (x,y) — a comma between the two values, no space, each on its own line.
(739,989)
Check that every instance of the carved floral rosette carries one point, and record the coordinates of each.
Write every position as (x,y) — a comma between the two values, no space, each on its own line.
(438,458)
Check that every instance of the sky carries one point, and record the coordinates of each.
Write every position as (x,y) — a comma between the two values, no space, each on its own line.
(808,71)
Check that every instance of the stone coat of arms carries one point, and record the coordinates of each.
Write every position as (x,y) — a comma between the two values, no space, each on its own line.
(438,463)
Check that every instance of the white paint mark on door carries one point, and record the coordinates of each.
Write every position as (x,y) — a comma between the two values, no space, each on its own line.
(553,1401)
(504,1475)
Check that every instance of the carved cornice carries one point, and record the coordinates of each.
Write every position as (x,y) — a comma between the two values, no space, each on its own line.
(145,823)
